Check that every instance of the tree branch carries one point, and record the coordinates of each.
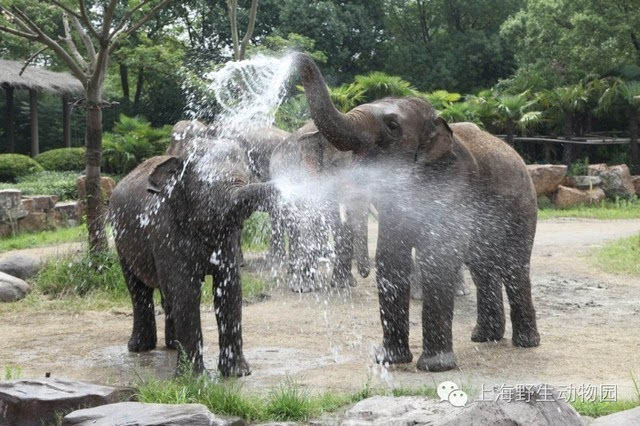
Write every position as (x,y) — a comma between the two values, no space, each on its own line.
(22,34)
(233,5)
(127,16)
(107,18)
(84,18)
(250,27)
(31,58)
(69,40)
(47,41)
(126,32)
(65,8)
(86,40)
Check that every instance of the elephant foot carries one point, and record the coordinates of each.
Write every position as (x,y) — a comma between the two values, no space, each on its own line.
(301,287)
(171,343)
(528,338)
(237,367)
(364,268)
(487,334)
(440,362)
(140,342)
(394,355)
(343,280)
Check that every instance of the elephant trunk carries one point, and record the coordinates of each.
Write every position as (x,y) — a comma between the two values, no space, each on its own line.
(337,127)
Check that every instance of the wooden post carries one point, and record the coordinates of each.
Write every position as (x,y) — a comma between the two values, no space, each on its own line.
(66,121)
(11,119)
(33,119)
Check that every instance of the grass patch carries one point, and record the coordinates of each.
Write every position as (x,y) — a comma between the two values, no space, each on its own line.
(603,408)
(287,402)
(12,372)
(619,209)
(44,238)
(256,232)
(620,256)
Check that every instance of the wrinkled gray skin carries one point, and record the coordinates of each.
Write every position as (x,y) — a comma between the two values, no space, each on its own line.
(455,193)
(308,153)
(174,222)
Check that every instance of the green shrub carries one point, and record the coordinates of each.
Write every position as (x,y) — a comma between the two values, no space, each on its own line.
(256,232)
(62,159)
(132,141)
(13,166)
(80,275)
(60,184)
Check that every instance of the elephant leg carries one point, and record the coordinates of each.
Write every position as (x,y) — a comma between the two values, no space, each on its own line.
(182,289)
(460,287)
(358,218)
(343,239)
(143,337)
(238,237)
(393,263)
(228,308)
(169,324)
(491,321)
(523,314)
(277,250)
(301,255)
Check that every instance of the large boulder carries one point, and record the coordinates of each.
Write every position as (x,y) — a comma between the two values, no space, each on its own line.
(12,289)
(10,206)
(141,414)
(531,405)
(37,402)
(106,185)
(627,417)
(616,180)
(20,265)
(570,197)
(636,184)
(546,177)
(583,182)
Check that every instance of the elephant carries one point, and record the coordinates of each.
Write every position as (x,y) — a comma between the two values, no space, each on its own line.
(307,154)
(176,219)
(454,192)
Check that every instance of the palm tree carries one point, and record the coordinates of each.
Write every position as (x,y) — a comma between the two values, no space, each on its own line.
(565,102)
(515,111)
(626,95)
(460,111)
(347,96)
(377,85)
(440,98)
(485,108)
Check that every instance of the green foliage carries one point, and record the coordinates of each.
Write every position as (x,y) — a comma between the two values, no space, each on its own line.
(460,112)
(620,256)
(12,372)
(256,232)
(81,275)
(347,96)
(603,408)
(44,238)
(579,167)
(13,166)
(293,113)
(441,98)
(132,141)
(62,159)
(293,42)
(60,184)
(378,85)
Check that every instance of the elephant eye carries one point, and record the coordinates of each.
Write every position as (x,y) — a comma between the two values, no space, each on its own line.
(393,127)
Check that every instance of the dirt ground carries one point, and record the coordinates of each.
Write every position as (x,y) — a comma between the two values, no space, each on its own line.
(589,323)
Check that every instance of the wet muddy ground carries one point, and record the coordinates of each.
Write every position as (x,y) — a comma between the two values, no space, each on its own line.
(589,323)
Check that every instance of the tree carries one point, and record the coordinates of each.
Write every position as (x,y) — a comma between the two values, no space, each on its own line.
(515,111)
(89,65)
(626,96)
(240,46)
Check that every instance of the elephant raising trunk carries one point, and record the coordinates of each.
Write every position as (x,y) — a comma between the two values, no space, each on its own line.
(339,129)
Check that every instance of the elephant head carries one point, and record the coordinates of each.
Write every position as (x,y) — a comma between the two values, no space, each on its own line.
(391,128)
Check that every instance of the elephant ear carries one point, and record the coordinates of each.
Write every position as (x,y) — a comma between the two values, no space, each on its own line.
(162,174)
(437,145)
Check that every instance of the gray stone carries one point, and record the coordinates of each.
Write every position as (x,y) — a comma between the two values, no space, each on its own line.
(43,203)
(12,288)
(627,417)
(546,177)
(20,265)
(616,180)
(584,182)
(37,402)
(532,405)
(141,414)
(11,206)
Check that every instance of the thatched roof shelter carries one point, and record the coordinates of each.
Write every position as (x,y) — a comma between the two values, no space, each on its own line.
(36,80)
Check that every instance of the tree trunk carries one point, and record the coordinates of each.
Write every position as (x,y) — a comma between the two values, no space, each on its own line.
(33,119)
(124,81)
(634,152)
(567,154)
(66,121)
(138,95)
(11,120)
(510,131)
(95,219)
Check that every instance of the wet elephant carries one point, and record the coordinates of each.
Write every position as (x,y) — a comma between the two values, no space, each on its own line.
(175,220)
(306,156)
(455,193)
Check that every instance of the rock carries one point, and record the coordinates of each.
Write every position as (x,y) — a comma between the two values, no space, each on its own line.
(27,204)
(636,184)
(616,180)
(106,185)
(12,289)
(66,211)
(535,405)
(20,265)
(570,197)
(141,414)
(36,221)
(10,206)
(37,402)
(43,203)
(547,177)
(627,417)
(583,182)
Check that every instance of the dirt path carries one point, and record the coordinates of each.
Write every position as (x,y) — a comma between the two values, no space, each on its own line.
(588,321)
